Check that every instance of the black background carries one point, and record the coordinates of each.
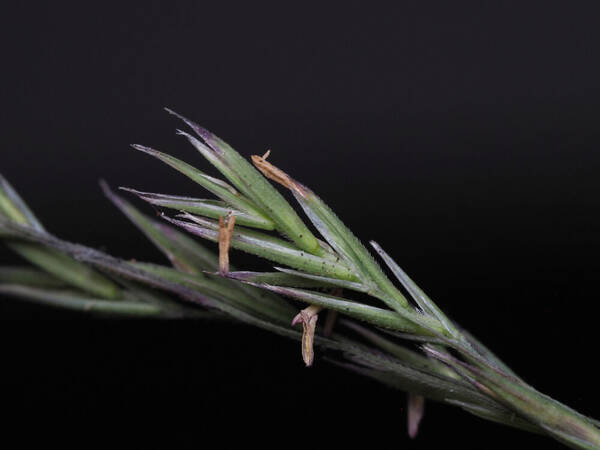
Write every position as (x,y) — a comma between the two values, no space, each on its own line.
(462,136)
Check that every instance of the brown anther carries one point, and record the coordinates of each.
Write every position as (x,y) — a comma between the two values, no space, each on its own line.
(273,173)
(226,225)
(308,317)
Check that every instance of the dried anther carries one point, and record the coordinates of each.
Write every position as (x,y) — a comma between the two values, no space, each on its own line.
(308,317)
(225,231)
(272,172)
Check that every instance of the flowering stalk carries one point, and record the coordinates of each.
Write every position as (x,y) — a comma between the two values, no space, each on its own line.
(374,336)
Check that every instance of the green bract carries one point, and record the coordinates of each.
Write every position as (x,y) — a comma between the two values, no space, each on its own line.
(249,181)
(12,207)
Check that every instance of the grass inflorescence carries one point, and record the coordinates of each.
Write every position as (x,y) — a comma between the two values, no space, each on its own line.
(326,290)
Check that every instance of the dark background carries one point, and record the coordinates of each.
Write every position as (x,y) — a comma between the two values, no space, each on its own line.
(462,136)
